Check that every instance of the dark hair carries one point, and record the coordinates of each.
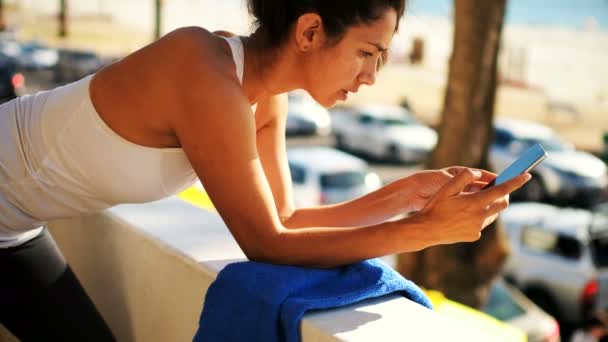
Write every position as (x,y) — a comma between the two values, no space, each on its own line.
(275,17)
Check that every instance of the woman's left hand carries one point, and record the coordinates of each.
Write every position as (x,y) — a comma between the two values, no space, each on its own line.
(423,185)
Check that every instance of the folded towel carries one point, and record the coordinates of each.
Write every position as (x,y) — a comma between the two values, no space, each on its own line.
(252,301)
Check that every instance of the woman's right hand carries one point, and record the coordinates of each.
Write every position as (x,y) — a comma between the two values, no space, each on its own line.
(453,215)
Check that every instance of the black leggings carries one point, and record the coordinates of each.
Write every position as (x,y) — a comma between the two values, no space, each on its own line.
(41,298)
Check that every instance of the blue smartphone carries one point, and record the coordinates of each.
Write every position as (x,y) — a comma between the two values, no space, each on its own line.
(526,162)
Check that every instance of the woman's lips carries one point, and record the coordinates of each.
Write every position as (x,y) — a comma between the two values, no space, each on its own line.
(344,94)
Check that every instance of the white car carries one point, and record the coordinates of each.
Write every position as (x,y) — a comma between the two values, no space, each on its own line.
(76,64)
(559,258)
(36,56)
(306,116)
(323,175)
(383,132)
(567,175)
(10,48)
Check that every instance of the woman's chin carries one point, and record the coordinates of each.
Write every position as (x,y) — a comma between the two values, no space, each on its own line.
(327,101)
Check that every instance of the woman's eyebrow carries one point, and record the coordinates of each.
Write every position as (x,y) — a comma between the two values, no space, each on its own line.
(378,46)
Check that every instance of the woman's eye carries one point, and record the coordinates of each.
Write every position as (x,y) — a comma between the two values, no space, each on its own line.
(366,53)
(382,60)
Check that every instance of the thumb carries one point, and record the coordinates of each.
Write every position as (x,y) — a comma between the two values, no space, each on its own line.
(457,184)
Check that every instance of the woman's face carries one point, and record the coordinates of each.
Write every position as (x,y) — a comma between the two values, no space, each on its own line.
(335,70)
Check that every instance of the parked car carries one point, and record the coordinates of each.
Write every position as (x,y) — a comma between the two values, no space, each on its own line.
(306,116)
(567,176)
(12,82)
(506,303)
(37,56)
(73,65)
(383,132)
(559,258)
(323,175)
(601,208)
(10,48)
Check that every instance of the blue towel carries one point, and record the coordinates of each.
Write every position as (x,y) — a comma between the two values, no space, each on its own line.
(252,301)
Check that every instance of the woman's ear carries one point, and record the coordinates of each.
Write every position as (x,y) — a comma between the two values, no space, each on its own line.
(309,32)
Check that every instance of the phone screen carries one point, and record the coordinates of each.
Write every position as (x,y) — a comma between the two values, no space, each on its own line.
(526,162)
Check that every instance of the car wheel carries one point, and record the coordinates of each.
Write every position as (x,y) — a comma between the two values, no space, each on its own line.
(533,191)
(544,300)
(393,153)
(340,142)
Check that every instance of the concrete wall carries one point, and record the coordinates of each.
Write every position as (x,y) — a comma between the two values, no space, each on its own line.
(147,268)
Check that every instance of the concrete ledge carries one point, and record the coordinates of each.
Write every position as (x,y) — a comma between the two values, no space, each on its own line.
(147,268)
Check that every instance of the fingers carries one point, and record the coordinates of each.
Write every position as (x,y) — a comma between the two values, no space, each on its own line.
(497,206)
(457,184)
(486,176)
(475,186)
(488,221)
(498,191)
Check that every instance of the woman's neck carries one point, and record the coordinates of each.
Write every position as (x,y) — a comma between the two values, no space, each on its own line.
(268,71)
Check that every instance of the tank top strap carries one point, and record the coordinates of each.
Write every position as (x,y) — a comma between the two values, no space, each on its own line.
(238,55)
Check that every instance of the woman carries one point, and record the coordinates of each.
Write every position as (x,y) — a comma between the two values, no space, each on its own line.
(199,104)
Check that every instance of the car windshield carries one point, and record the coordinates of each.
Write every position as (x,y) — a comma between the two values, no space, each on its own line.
(599,241)
(84,55)
(398,122)
(501,304)
(342,180)
(32,46)
(552,144)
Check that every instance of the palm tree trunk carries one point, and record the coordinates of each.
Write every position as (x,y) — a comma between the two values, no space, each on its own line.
(63,18)
(158,6)
(2,20)
(464,272)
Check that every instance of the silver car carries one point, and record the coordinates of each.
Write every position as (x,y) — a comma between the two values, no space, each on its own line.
(305,116)
(383,132)
(559,258)
(323,175)
(567,175)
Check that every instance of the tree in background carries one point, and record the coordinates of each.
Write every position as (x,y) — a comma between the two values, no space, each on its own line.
(2,21)
(63,18)
(158,6)
(464,271)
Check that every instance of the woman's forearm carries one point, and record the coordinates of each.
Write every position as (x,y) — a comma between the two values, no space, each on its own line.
(450,216)
(328,247)
(373,208)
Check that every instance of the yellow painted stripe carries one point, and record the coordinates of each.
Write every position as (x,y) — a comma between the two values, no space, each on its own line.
(197,197)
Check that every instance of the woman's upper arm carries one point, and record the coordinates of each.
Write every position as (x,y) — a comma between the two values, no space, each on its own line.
(272,151)
(216,130)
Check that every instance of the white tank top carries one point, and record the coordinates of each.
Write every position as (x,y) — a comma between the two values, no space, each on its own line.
(59,159)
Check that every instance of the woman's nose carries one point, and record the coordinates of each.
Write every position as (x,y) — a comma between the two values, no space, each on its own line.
(367,76)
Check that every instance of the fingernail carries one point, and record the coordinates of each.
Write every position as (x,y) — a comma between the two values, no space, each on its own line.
(477,173)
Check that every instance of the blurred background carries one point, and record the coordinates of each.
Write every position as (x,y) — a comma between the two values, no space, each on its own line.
(549,84)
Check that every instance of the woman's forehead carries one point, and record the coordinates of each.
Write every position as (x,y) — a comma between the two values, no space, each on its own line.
(379,32)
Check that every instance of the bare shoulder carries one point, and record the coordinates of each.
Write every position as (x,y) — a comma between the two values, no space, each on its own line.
(182,55)
(194,42)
